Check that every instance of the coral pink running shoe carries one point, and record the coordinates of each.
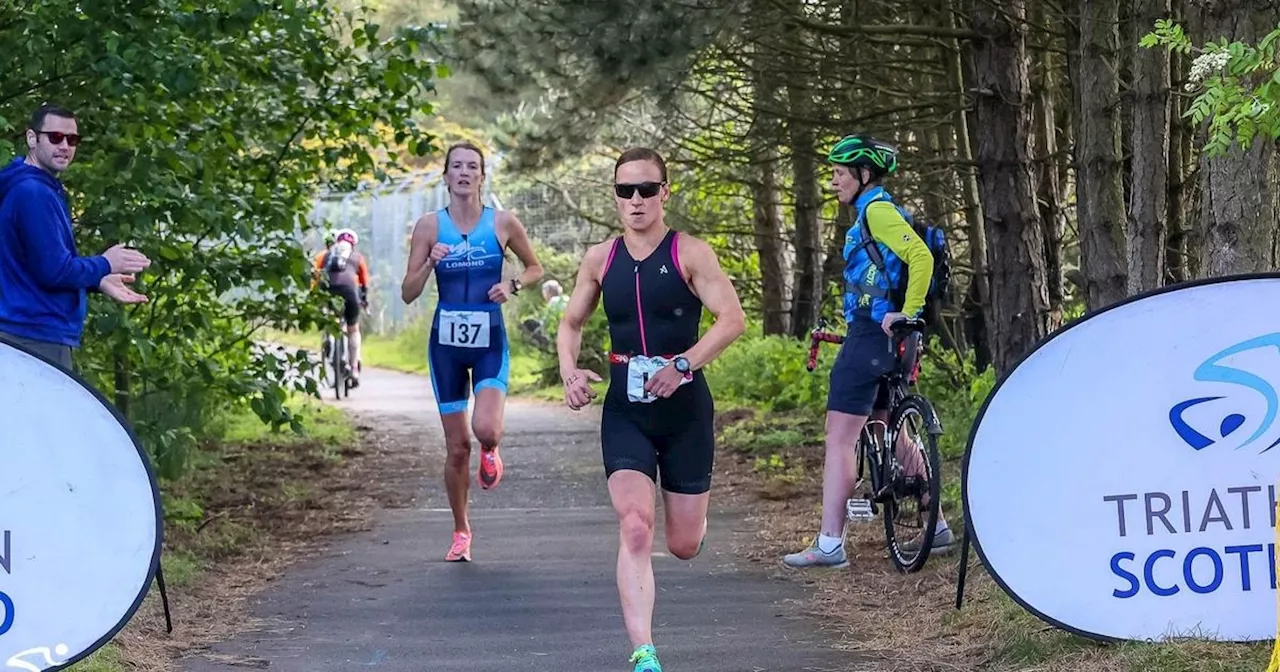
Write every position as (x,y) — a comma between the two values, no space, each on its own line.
(490,471)
(460,551)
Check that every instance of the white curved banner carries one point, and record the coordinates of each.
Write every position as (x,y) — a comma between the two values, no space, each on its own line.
(80,519)
(1121,481)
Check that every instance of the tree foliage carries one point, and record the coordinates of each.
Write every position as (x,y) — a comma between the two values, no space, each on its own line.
(208,126)
(569,64)
(743,96)
(1237,85)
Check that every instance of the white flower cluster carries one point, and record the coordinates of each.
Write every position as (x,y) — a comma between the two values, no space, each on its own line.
(1206,64)
(268,37)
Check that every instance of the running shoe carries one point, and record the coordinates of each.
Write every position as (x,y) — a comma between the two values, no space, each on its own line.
(814,557)
(490,471)
(943,541)
(460,551)
(646,659)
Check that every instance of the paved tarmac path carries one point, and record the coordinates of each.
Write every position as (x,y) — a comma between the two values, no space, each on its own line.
(540,594)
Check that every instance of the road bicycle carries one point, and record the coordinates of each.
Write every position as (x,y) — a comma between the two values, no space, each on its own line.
(902,498)
(335,347)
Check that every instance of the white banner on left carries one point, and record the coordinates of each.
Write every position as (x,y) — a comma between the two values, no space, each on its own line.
(80,517)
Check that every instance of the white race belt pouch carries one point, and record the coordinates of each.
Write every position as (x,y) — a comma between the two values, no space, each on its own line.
(640,370)
(464,328)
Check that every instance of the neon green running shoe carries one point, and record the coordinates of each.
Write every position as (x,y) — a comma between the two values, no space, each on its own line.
(646,659)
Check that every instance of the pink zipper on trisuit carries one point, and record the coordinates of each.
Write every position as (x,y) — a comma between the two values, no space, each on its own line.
(644,345)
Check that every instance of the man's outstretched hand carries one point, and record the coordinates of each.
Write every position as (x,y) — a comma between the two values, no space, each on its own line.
(126,260)
(115,286)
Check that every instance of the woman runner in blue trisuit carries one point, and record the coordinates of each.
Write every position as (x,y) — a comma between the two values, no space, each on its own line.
(464,245)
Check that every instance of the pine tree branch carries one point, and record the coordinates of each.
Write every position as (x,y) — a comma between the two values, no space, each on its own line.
(938,32)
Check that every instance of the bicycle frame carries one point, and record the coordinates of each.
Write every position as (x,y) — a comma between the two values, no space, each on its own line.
(907,342)
(335,351)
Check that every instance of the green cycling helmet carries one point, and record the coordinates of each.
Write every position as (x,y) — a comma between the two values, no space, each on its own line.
(861,150)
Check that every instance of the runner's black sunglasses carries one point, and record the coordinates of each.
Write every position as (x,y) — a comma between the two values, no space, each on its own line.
(646,189)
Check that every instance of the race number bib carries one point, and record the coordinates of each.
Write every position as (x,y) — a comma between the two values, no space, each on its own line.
(639,371)
(464,328)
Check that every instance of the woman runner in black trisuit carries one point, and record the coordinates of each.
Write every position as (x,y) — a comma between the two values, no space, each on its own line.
(658,417)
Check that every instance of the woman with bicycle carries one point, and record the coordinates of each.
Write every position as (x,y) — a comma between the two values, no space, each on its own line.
(880,247)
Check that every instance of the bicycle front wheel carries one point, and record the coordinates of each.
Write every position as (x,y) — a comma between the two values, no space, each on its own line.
(912,483)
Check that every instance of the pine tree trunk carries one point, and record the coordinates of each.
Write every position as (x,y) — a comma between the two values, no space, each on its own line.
(1151,155)
(1100,206)
(775,266)
(833,263)
(1003,153)
(1176,256)
(808,276)
(1238,211)
(1052,218)
(977,300)
(775,262)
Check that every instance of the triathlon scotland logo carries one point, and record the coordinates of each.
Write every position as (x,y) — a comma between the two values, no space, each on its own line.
(1212,370)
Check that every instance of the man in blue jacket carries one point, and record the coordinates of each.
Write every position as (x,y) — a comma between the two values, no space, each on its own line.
(43,280)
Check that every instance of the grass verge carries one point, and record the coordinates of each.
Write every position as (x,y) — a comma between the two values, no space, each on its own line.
(771,464)
(252,501)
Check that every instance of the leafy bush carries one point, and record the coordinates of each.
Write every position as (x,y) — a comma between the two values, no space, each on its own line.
(768,373)
(957,393)
(532,325)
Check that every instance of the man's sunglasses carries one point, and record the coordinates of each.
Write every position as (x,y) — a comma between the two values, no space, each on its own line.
(646,189)
(56,138)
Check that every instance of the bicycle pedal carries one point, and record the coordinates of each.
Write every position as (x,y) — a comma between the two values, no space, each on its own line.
(859,510)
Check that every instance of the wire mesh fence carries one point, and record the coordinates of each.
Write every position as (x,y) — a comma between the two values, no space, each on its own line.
(384,216)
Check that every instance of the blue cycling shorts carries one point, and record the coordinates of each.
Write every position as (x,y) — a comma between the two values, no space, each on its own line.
(865,357)
(464,354)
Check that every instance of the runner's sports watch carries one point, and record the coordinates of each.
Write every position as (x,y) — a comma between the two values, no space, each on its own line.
(682,364)
(516,286)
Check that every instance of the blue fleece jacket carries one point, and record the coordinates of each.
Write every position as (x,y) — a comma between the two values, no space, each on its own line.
(43,281)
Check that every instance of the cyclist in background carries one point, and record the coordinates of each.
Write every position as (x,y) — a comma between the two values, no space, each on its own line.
(342,271)
(856,388)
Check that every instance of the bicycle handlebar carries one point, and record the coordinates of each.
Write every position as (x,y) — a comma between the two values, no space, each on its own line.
(819,335)
(815,337)
(907,325)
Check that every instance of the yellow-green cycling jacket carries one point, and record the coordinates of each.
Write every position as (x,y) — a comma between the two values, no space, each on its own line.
(869,294)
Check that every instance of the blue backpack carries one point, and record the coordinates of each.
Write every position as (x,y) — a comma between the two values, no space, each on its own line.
(936,239)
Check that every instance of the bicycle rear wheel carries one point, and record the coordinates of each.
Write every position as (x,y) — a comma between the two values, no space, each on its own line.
(348,366)
(339,367)
(912,483)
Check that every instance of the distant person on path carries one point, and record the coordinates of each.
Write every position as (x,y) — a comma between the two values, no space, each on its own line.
(538,329)
(658,415)
(346,274)
(553,294)
(856,388)
(464,244)
(43,280)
